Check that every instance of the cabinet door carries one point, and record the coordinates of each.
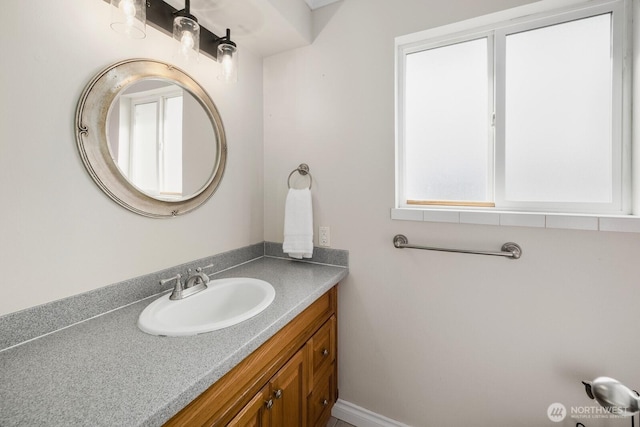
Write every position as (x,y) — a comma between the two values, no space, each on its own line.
(322,398)
(289,391)
(256,413)
(323,348)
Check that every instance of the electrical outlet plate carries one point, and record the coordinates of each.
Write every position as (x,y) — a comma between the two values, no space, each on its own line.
(324,236)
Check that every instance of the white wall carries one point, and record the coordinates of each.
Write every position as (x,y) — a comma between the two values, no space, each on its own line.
(60,235)
(429,338)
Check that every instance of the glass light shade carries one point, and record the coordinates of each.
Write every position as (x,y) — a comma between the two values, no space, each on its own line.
(228,59)
(187,32)
(129,17)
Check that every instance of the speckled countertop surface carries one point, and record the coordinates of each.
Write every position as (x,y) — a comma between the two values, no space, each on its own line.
(106,372)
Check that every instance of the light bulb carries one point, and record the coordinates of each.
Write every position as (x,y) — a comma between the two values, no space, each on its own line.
(228,59)
(129,11)
(128,8)
(227,65)
(129,17)
(186,31)
(187,41)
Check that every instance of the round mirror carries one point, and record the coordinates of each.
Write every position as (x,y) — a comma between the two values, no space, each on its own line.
(151,138)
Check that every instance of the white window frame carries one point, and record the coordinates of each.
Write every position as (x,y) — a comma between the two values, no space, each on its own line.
(512,21)
(127,104)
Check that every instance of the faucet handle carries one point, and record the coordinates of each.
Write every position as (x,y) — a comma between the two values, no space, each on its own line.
(204,276)
(177,289)
(177,278)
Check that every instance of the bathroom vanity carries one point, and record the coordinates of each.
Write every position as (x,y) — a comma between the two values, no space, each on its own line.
(289,381)
(277,368)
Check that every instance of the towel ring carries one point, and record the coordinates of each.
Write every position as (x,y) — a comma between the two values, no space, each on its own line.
(303,170)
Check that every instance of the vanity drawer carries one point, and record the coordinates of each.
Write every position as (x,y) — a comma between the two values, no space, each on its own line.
(322,397)
(323,347)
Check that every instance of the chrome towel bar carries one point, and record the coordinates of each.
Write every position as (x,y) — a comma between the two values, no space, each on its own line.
(509,249)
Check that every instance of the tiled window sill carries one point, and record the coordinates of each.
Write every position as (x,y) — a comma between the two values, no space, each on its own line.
(620,223)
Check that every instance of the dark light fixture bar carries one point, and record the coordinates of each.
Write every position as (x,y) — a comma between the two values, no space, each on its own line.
(160,15)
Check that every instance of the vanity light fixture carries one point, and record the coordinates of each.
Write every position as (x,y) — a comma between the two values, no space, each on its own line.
(186,31)
(129,17)
(193,38)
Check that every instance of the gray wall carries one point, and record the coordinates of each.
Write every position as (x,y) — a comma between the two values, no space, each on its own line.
(60,234)
(428,338)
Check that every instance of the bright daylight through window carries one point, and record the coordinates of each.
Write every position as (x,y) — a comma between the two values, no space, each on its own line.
(524,115)
(149,149)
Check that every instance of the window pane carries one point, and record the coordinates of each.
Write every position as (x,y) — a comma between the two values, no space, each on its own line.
(172,149)
(558,136)
(144,147)
(446,149)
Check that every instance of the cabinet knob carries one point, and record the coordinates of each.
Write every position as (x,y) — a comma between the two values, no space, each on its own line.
(269,403)
(325,402)
(277,394)
(325,352)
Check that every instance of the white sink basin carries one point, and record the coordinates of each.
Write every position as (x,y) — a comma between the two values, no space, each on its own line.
(225,302)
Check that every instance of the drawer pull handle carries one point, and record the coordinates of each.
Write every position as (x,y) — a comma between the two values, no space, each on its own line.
(325,352)
(325,402)
(269,403)
(277,394)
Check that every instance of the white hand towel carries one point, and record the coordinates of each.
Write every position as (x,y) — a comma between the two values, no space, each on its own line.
(298,224)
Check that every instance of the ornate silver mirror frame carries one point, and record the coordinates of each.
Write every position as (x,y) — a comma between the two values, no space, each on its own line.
(91,136)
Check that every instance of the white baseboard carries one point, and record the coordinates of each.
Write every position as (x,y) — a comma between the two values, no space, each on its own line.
(361,417)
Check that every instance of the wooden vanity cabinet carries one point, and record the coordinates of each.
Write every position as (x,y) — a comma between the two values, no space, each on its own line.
(289,381)
(288,393)
(322,398)
(255,413)
(321,349)
(280,403)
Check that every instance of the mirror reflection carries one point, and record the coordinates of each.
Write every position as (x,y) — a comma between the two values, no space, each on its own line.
(162,139)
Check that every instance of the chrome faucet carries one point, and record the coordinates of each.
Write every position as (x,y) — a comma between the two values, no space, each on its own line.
(178,288)
(198,278)
(195,283)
